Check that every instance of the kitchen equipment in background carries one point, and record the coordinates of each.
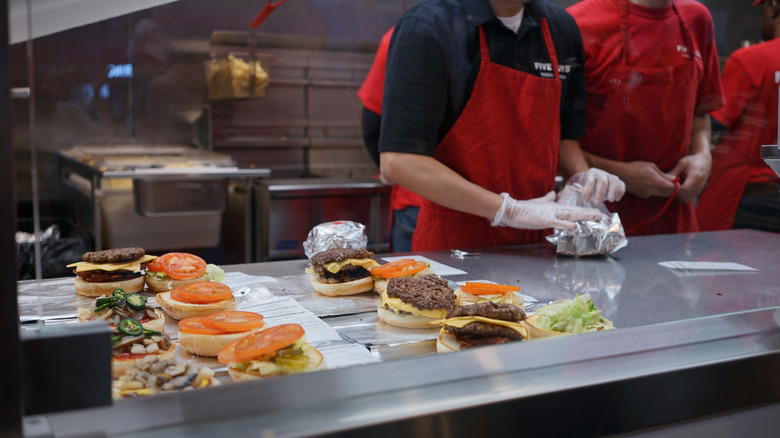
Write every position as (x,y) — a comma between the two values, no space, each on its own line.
(288,208)
(771,153)
(159,197)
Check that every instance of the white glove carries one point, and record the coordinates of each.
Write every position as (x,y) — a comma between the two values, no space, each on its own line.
(541,213)
(599,186)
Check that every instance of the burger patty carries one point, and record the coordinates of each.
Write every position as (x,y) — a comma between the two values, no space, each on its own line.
(489,309)
(425,292)
(345,274)
(475,341)
(113,255)
(339,254)
(476,330)
(484,330)
(101,276)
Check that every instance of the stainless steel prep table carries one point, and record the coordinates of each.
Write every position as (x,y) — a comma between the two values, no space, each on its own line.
(688,345)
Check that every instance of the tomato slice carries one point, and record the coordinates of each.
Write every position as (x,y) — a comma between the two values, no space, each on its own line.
(261,345)
(195,325)
(234,321)
(179,265)
(202,292)
(399,268)
(475,288)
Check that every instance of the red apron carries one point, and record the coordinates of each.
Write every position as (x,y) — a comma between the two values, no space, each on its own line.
(506,140)
(648,116)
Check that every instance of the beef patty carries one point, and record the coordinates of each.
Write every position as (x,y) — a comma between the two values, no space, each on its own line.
(113,255)
(425,292)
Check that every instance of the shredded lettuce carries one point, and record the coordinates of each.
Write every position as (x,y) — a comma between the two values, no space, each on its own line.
(215,273)
(576,315)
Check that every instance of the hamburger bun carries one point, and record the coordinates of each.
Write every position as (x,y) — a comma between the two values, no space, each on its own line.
(536,332)
(158,285)
(180,310)
(120,366)
(406,320)
(316,362)
(341,289)
(95,290)
(209,345)
(446,342)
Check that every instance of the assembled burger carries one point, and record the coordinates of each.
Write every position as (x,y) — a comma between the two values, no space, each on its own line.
(342,271)
(485,323)
(272,352)
(415,302)
(100,272)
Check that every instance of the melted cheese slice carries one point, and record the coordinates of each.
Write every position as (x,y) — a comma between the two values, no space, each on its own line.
(134,265)
(334,267)
(396,305)
(462,321)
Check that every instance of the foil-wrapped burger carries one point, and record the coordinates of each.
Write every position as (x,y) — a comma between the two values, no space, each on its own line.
(589,238)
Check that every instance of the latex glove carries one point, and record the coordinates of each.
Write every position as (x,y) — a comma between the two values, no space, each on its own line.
(599,186)
(541,213)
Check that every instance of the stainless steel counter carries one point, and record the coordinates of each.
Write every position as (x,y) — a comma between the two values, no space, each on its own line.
(688,345)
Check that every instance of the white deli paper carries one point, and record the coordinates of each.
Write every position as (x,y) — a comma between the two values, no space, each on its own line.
(439,268)
(706,266)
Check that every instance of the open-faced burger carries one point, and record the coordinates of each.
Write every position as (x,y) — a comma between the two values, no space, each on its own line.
(121,305)
(131,342)
(206,335)
(272,352)
(197,299)
(176,269)
(567,317)
(152,375)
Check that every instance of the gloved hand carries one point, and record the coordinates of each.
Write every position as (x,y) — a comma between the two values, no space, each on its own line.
(541,213)
(599,186)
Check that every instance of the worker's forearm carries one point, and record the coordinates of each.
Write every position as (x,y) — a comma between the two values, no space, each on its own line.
(436,182)
(701,135)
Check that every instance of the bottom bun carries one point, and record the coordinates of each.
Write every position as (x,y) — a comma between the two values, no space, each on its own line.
(316,362)
(447,343)
(347,288)
(406,320)
(163,285)
(95,290)
(180,310)
(121,366)
(209,345)
(536,332)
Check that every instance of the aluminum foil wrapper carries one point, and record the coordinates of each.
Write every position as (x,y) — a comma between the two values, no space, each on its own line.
(589,238)
(337,234)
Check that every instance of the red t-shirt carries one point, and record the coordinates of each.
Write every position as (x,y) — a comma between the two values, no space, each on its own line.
(370,92)
(750,80)
(655,40)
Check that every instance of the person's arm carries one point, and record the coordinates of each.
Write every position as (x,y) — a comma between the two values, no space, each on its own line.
(642,178)
(694,168)
(438,183)
(431,179)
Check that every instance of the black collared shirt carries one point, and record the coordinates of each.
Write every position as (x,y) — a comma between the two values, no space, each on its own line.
(434,58)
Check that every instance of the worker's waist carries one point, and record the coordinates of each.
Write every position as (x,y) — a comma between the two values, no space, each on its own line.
(761,189)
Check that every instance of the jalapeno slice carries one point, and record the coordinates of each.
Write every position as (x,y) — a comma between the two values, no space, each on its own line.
(119,292)
(136,301)
(130,326)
